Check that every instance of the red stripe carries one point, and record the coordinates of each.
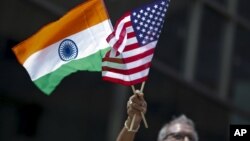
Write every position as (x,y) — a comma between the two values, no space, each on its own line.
(121,38)
(128,24)
(114,60)
(131,35)
(112,35)
(129,71)
(129,59)
(126,83)
(139,56)
(131,47)
(107,54)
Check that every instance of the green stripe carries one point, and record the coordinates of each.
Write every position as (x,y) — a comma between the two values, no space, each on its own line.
(48,82)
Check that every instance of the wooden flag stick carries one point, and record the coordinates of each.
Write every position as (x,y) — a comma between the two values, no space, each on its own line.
(133,88)
(132,123)
(142,86)
(142,114)
(133,119)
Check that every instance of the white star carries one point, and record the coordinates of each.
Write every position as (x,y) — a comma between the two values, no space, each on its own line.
(143,18)
(151,27)
(148,8)
(143,30)
(141,23)
(136,21)
(158,13)
(138,27)
(160,8)
(151,38)
(156,6)
(153,11)
(141,35)
(150,16)
(146,13)
(138,16)
(163,3)
(146,25)
(141,11)
(148,21)
(134,13)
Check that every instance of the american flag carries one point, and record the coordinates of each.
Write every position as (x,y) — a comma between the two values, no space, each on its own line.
(133,42)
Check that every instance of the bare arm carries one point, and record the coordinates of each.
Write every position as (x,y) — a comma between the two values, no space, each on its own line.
(135,106)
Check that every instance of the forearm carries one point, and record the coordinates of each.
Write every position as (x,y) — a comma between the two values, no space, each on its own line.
(126,135)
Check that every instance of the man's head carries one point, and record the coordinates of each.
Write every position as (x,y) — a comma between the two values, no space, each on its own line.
(179,129)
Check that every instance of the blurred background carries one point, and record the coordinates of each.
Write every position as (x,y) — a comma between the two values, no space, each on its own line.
(201,68)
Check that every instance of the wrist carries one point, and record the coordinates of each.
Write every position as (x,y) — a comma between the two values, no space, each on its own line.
(135,127)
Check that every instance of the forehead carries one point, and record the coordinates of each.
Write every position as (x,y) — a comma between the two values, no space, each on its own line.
(180,127)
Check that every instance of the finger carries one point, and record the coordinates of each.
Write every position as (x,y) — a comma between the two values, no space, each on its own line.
(132,111)
(144,110)
(137,103)
(131,100)
(137,99)
(137,107)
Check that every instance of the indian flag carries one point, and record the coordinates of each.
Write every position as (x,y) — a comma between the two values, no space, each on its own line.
(77,41)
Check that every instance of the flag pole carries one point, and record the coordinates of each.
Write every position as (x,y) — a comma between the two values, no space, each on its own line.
(142,114)
(133,119)
(133,88)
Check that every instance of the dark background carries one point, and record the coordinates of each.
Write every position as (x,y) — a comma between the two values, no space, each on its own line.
(201,68)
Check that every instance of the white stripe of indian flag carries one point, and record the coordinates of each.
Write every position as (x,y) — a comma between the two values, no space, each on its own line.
(48,60)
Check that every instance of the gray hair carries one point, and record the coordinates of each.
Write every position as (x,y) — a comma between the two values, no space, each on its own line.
(180,119)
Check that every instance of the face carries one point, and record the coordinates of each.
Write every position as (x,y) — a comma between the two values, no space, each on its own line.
(177,132)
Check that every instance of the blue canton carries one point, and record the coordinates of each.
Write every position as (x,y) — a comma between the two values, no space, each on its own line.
(148,21)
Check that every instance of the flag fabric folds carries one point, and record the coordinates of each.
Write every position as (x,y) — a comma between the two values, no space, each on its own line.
(133,42)
(77,41)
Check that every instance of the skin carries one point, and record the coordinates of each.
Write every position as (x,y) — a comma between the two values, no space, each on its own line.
(135,107)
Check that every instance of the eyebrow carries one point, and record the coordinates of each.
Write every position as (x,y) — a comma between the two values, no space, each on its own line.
(191,135)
